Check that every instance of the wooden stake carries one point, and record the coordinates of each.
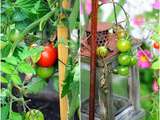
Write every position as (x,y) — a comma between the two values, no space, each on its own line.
(93,59)
(62,34)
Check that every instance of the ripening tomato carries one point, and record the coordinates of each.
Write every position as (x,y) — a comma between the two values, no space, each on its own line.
(121,33)
(124,59)
(44,72)
(34,115)
(48,56)
(123,70)
(123,45)
(102,51)
(156,45)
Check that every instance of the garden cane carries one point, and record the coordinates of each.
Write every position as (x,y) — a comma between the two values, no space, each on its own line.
(93,59)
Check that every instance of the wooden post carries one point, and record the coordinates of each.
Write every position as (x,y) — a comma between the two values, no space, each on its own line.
(62,34)
(93,59)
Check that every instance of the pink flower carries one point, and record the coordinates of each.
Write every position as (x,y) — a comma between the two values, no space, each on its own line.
(143,61)
(138,20)
(104,1)
(155,86)
(156,5)
(88,6)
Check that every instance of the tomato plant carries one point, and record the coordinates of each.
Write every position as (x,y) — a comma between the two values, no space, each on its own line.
(48,56)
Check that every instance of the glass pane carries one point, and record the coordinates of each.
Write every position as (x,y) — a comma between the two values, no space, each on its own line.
(120,93)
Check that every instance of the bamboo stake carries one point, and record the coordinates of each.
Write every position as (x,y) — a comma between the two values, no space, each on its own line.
(62,34)
(93,59)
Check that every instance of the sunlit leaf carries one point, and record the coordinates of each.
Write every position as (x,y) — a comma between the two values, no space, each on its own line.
(16,116)
(25,68)
(3,80)
(15,79)
(12,60)
(4,112)
(7,68)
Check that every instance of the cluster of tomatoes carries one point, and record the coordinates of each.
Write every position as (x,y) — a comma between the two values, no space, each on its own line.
(125,59)
(47,59)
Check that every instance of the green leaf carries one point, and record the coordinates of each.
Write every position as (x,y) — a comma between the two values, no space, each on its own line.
(77,73)
(4,112)
(55,83)
(74,99)
(36,85)
(16,116)
(16,79)
(36,7)
(3,44)
(19,15)
(25,53)
(36,53)
(12,60)
(158,81)
(156,64)
(7,68)
(25,68)
(74,15)
(3,80)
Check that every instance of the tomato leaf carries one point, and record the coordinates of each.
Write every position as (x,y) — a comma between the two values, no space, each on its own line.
(16,79)
(3,80)
(68,77)
(16,116)
(12,60)
(7,68)
(36,53)
(36,85)
(55,82)
(25,68)
(24,54)
(74,99)
(74,15)
(156,64)
(19,15)
(4,111)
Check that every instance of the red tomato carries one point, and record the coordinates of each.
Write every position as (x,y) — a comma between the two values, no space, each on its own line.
(48,56)
(156,45)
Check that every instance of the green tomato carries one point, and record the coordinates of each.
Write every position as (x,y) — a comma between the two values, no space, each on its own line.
(102,51)
(124,45)
(34,115)
(124,59)
(123,70)
(133,61)
(44,72)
